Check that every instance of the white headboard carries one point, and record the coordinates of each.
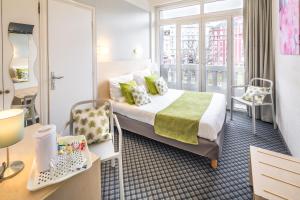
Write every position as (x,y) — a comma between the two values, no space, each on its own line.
(113,69)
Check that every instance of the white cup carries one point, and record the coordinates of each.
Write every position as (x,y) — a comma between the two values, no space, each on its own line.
(45,147)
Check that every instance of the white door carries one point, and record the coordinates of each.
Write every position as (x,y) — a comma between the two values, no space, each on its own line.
(70,36)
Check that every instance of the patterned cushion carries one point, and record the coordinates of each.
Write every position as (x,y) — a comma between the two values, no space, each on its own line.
(140,96)
(161,86)
(93,124)
(251,90)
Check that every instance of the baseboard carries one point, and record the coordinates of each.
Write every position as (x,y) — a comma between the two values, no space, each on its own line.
(283,140)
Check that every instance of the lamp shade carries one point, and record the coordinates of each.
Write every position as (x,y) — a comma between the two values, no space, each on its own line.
(11,127)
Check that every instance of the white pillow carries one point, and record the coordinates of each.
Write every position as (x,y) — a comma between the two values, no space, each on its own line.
(161,86)
(140,96)
(115,89)
(139,77)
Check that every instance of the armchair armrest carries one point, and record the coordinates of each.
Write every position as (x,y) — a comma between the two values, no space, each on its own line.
(238,86)
(119,131)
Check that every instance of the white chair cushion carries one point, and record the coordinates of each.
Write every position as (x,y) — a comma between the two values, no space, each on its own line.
(239,99)
(104,150)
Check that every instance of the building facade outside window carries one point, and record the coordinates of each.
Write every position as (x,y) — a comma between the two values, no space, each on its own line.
(201,46)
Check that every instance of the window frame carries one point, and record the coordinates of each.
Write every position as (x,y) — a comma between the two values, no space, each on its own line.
(201,19)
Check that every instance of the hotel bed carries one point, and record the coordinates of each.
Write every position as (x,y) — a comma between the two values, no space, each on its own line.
(140,120)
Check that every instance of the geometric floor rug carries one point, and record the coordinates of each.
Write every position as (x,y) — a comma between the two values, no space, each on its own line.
(153,170)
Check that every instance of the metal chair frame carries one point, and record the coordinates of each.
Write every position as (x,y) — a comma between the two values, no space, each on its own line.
(113,121)
(253,104)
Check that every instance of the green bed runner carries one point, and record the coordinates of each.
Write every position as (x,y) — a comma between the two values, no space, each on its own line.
(180,120)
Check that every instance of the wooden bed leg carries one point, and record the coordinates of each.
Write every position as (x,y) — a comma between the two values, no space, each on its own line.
(214,164)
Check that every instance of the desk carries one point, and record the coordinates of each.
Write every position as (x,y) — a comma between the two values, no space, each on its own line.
(273,175)
(85,185)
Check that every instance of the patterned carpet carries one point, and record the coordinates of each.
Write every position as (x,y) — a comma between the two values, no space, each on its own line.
(153,170)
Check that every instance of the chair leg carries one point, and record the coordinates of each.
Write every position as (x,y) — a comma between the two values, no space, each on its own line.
(122,194)
(231,108)
(253,120)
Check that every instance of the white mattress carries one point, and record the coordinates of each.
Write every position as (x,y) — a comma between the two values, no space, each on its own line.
(209,126)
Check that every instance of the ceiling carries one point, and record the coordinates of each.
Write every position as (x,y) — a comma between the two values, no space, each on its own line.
(162,2)
(147,4)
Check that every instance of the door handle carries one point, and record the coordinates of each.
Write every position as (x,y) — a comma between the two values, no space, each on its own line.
(53,78)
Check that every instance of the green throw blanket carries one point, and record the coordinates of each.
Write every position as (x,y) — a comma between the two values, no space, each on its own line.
(180,120)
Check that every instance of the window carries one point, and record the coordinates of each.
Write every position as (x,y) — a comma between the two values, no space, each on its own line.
(197,53)
(189,55)
(216,56)
(238,59)
(222,5)
(168,54)
(180,12)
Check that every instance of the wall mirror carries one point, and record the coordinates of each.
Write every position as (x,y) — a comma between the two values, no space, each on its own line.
(22,70)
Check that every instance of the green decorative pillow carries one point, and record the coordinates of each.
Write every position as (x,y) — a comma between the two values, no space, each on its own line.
(93,124)
(126,89)
(150,82)
(251,90)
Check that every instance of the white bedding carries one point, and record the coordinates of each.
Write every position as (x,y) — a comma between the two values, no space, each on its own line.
(209,126)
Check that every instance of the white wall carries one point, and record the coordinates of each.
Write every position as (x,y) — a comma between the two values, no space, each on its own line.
(288,91)
(121,28)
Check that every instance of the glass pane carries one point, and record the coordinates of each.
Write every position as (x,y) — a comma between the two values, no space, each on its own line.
(190,57)
(216,56)
(222,5)
(180,12)
(238,58)
(168,54)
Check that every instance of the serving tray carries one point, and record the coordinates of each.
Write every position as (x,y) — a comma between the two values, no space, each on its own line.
(77,160)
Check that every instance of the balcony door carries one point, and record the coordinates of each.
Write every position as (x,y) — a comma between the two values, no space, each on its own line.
(205,54)
(168,54)
(179,55)
(189,56)
(216,56)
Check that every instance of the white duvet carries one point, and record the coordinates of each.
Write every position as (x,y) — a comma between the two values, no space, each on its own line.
(209,126)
